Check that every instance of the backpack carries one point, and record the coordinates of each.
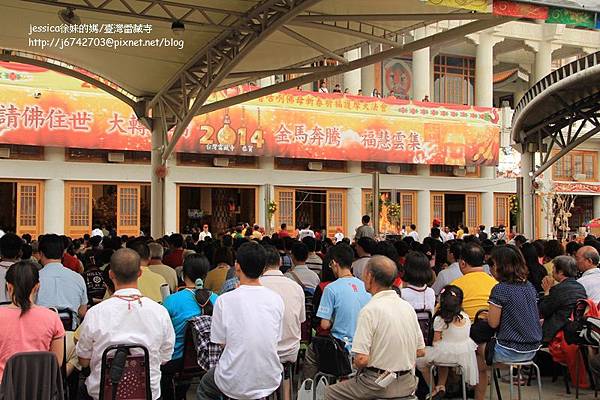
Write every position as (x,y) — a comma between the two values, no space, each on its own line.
(584,325)
(332,356)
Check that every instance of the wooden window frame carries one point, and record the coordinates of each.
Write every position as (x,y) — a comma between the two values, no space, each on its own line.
(16,154)
(569,158)
(502,197)
(432,172)
(367,199)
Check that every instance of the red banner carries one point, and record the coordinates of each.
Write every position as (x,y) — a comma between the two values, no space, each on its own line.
(519,10)
(288,124)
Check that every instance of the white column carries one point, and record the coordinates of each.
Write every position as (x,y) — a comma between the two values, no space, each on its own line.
(484,69)
(157,185)
(596,206)
(543,50)
(423,213)
(54,194)
(487,199)
(352,79)
(266,193)
(367,74)
(421,69)
(170,203)
(354,201)
(527,203)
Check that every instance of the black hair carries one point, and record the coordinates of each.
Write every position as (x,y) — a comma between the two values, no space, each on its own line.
(10,246)
(23,276)
(227,241)
(456,249)
(272,257)
(539,246)
(473,254)
(366,243)
(572,248)
(554,248)
(342,254)
(366,219)
(283,226)
(52,247)
(223,255)
(510,265)
(251,258)
(311,243)
(327,274)
(176,240)
(26,237)
(417,269)
(140,247)
(435,233)
(451,299)
(195,236)
(95,241)
(401,246)
(196,266)
(519,240)
(26,251)
(300,251)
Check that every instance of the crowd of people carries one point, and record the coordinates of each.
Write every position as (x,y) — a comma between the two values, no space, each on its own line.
(268,301)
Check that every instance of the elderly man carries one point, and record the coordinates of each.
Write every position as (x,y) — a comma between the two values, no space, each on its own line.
(386,343)
(587,263)
(126,317)
(156,265)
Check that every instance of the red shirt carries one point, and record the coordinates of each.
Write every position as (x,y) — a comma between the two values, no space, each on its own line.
(71,262)
(283,234)
(174,259)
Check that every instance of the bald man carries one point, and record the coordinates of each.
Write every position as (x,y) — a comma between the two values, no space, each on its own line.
(387,340)
(125,317)
(587,263)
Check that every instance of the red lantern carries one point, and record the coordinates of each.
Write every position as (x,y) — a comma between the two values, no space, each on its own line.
(161,171)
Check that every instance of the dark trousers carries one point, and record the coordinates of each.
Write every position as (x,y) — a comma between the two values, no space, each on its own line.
(169,390)
(207,388)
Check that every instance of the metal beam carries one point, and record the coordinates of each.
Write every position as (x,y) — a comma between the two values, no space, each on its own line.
(217,59)
(310,43)
(393,17)
(184,11)
(352,65)
(347,31)
(565,150)
(270,72)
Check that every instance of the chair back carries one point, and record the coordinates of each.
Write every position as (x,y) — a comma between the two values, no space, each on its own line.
(165,291)
(68,317)
(190,369)
(32,376)
(135,379)
(426,324)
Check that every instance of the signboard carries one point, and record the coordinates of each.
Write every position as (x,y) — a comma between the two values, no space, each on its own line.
(288,124)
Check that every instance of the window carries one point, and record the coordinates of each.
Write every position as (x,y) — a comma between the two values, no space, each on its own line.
(408,208)
(22,152)
(449,170)
(404,169)
(454,79)
(207,160)
(576,164)
(301,164)
(101,156)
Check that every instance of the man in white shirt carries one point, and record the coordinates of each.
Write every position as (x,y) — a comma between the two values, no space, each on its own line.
(587,263)
(452,272)
(248,322)
(125,318)
(294,313)
(413,233)
(388,339)
(305,232)
(97,232)
(205,233)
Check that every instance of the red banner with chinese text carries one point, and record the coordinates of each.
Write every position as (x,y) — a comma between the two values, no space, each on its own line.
(289,124)
(519,10)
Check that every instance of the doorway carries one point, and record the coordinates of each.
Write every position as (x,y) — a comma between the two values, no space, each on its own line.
(311,206)
(454,210)
(221,208)
(8,211)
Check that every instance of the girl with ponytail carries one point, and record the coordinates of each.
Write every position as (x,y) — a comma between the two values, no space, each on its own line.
(26,326)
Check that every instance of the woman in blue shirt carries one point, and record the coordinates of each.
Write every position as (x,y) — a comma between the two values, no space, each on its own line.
(513,308)
(189,302)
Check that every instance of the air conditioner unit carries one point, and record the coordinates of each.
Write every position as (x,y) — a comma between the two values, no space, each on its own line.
(4,152)
(579,177)
(459,171)
(392,169)
(315,166)
(116,157)
(221,162)
(471,170)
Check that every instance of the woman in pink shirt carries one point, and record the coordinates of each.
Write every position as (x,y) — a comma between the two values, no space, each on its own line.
(25,326)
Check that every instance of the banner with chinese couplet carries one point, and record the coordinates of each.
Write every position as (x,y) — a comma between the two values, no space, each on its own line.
(559,15)
(475,5)
(289,124)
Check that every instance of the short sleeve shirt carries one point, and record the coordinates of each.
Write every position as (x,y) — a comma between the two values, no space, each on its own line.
(33,331)
(476,287)
(61,288)
(520,327)
(341,302)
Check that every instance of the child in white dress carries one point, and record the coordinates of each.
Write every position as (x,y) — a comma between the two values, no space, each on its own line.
(451,342)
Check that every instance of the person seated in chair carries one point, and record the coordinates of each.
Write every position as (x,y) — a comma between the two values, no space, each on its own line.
(125,318)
